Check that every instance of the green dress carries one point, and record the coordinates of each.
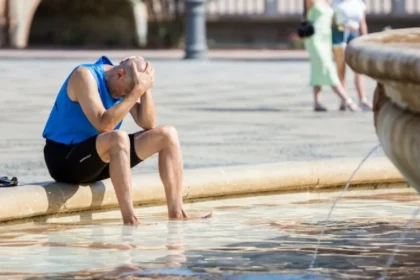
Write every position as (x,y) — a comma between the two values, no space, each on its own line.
(319,46)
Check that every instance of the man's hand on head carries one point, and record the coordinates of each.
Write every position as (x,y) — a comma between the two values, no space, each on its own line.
(130,57)
(143,80)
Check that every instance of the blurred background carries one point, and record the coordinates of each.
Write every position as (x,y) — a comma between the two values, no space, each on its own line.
(160,24)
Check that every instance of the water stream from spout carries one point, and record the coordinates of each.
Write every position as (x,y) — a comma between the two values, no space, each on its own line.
(400,240)
(335,202)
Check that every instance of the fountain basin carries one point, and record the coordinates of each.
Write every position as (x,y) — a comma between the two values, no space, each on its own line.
(254,237)
(392,58)
(50,198)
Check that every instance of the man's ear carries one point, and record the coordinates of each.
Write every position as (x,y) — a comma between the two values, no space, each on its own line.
(120,73)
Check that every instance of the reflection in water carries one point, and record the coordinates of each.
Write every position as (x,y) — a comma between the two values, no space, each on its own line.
(400,240)
(267,237)
(336,200)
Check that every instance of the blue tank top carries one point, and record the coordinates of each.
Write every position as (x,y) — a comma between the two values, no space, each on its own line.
(67,124)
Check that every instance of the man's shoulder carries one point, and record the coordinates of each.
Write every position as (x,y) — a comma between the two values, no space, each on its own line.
(82,74)
(81,81)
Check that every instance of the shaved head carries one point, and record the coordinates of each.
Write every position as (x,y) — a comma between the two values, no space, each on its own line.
(121,80)
(127,66)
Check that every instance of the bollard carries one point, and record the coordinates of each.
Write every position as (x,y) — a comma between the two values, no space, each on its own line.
(398,7)
(195,29)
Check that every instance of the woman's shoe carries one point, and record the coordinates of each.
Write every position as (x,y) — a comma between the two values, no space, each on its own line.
(365,105)
(320,108)
(342,106)
(349,104)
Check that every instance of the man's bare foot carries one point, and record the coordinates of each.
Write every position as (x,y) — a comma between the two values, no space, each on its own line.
(131,221)
(184,216)
(134,221)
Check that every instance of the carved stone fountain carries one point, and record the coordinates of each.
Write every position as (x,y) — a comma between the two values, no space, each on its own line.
(392,58)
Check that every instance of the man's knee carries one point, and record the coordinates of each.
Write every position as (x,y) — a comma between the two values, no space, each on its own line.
(169,134)
(111,142)
(119,140)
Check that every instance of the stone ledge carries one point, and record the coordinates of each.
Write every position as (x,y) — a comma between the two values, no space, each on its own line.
(52,198)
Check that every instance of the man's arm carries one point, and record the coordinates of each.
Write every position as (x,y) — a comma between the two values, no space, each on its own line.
(83,89)
(143,113)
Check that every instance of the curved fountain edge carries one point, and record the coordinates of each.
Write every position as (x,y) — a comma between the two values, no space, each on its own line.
(392,58)
(210,183)
(373,55)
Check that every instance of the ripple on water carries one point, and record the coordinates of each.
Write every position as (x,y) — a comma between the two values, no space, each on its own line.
(267,237)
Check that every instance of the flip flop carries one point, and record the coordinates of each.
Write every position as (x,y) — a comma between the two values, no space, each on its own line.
(6,182)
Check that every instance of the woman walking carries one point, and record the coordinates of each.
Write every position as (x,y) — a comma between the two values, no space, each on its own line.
(319,47)
(349,23)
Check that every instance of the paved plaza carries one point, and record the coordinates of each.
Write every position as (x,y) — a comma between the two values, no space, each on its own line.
(227,112)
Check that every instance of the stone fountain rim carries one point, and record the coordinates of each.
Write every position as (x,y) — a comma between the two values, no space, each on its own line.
(49,198)
(382,61)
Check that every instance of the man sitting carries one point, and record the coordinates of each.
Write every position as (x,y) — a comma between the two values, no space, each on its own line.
(84,143)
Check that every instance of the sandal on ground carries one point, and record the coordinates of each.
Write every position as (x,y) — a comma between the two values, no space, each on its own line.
(320,108)
(365,105)
(349,104)
(342,106)
(6,182)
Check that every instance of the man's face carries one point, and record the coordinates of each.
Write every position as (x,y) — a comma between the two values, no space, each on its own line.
(120,87)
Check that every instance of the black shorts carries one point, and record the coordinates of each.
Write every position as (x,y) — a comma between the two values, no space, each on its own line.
(80,163)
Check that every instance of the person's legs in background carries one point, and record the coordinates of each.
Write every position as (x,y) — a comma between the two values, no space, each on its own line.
(358,81)
(340,41)
(318,107)
(339,45)
(346,101)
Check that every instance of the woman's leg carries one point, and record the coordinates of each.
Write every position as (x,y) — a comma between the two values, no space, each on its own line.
(346,101)
(358,80)
(363,101)
(318,107)
(339,51)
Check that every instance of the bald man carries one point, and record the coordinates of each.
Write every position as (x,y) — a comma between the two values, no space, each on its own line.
(84,143)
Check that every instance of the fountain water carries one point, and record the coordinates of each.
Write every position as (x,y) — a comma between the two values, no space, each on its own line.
(336,200)
(402,237)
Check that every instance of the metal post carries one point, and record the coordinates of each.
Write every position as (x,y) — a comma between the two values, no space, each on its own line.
(398,7)
(195,29)
(7,26)
(271,7)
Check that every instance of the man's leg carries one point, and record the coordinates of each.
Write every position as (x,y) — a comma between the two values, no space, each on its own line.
(164,140)
(114,147)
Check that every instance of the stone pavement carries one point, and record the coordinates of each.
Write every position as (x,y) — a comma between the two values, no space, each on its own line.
(227,113)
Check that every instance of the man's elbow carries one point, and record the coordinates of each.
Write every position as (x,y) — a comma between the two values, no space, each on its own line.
(105,125)
(104,128)
(148,125)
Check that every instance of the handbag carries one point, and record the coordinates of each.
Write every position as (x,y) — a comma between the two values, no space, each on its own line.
(306,29)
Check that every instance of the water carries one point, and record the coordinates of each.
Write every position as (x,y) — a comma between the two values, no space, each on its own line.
(403,235)
(338,197)
(261,237)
